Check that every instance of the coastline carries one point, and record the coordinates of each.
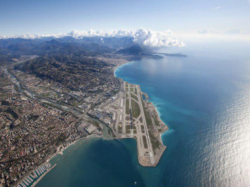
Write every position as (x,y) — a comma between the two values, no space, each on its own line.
(74,142)
(41,177)
(158,112)
(61,153)
(120,66)
(165,129)
(159,118)
(158,156)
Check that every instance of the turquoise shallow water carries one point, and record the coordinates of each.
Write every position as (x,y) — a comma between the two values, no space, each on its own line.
(206,104)
(205,101)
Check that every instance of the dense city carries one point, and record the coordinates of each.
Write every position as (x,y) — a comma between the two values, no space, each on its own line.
(49,101)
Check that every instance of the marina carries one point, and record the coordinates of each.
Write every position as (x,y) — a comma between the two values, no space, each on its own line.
(34,175)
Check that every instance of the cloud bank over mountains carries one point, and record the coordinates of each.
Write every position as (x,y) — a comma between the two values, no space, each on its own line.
(143,37)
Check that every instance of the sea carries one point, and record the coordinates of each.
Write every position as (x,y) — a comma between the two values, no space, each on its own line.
(203,98)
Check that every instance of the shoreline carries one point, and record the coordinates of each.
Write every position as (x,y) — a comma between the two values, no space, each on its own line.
(61,153)
(101,136)
(159,118)
(161,150)
(74,142)
(121,65)
(41,177)
(158,113)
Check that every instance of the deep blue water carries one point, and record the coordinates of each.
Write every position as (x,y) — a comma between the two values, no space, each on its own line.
(205,101)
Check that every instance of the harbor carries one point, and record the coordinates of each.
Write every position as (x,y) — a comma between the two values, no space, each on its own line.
(35,176)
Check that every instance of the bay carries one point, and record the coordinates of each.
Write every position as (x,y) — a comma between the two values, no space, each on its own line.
(205,101)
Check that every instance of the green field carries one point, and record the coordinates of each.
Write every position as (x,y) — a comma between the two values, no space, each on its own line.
(136,91)
(147,116)
(142,129)
(154,141)
(127,106)
(135,109)
(134,96)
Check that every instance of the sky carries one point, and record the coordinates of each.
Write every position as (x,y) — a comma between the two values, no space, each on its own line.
(222,17)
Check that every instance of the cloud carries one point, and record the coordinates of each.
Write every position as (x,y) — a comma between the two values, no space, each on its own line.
(144,37)
(156,39)
(217,8)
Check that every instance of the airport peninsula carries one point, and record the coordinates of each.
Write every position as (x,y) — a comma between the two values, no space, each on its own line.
(134,117)
(59,93)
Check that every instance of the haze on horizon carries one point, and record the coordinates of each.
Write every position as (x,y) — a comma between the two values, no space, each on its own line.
(194,18)
(173,76)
